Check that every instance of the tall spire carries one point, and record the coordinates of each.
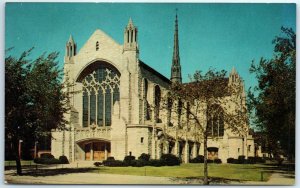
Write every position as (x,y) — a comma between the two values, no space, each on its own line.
(176,68)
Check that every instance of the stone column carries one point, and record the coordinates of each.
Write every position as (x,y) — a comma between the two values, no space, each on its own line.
(159,149)
(186,152)
(201,151)
(194,150)
(176,148)
(153,145)
(166,147)
(92,152)
(105,151)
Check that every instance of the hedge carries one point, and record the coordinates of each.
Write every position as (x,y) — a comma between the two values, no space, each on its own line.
(198,159)
(241,160)
(49,159)
(170,160)
(144,156)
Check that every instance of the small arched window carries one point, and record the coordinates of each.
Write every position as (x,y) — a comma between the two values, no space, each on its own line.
(97,46)
(71,51)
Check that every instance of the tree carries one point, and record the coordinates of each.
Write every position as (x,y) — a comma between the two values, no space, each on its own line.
(273,100)
(35,100)
(206,95)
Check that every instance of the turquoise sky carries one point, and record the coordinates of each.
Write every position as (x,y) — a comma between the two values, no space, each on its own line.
(210,35)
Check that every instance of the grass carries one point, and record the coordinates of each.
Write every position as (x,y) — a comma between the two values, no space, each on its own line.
(23,163)
(243,172)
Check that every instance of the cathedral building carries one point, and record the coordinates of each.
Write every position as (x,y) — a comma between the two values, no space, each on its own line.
(111,106)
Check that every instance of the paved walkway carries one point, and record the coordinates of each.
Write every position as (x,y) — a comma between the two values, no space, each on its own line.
(278,178)
(90,178)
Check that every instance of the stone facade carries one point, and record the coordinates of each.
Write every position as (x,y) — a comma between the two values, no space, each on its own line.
(112,112)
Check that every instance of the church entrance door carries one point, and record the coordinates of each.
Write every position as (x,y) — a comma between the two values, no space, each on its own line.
(97,151)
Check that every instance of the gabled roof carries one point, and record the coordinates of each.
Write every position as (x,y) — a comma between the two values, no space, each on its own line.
(150,69)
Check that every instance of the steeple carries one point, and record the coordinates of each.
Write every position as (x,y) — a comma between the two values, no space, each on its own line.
(176,68)
(70,48)
(130,37)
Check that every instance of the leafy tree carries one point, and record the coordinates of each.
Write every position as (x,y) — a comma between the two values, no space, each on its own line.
(205,95)
(273,100)
(35,99)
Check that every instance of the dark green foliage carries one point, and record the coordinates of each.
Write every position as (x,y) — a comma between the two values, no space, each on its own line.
(144,157)
(156,162)
(210,161)
(110,158)
(129,160)
(170,159)
(47,156)
(251,160)
(63,160)
(273,101)
(230,160)
(241,159)
(260,160)
(47,161)
(198,159)
(35,99)
(98,164)
(217,161)
(113,163)
(140,163)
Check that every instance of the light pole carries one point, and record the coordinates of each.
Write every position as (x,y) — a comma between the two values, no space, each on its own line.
(20,148)
(35,149)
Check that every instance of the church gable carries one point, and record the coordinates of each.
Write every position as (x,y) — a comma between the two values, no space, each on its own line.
(99,45)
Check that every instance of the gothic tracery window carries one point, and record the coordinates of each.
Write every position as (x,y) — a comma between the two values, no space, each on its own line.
(146,103)
(215,125)
(100,92)
(157,98)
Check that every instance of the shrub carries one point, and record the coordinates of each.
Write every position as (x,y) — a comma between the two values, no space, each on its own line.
(230,160)
(241,159)
(47,156)
(110,159)
(251,160)
(217,161)
(97,163)
(236,161)
(156,162)
(63,160)
(198,159)
(259,160)
(113,163)
(47,161)
(140,163)
(170,160)
(209,161)
(129,160)
(144,157)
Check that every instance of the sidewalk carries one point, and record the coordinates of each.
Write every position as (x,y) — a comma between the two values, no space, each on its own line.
(277,178)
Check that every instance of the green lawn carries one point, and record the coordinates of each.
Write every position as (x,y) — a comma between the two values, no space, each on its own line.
(249,172)
(13,163)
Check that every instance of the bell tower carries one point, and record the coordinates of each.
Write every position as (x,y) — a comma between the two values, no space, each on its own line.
(70,49)
(130,37)
(176,68)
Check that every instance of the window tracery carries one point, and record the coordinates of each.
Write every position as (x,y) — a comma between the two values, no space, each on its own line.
(100,92)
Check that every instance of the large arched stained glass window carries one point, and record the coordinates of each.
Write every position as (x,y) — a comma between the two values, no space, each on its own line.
(100,92)
(216,122)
